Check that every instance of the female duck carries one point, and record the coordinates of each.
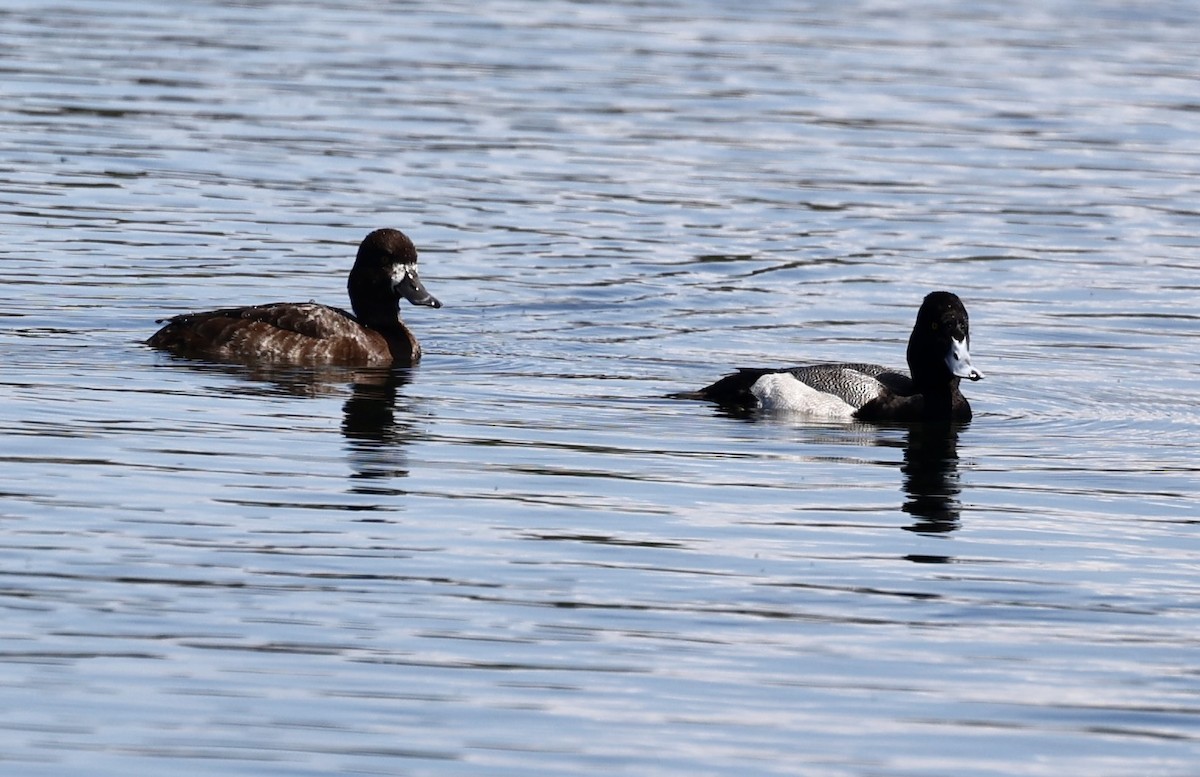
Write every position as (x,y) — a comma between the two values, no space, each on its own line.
(938,358)
(384,272)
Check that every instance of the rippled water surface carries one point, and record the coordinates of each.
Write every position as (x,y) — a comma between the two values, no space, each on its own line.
(519,557)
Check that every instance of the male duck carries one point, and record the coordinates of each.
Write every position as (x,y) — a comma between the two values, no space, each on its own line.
(938,358)
(384,272)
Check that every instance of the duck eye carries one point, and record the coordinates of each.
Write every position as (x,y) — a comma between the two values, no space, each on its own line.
(934,326)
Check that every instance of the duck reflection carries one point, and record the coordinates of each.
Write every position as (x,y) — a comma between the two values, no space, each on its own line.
(931,478)
(376,436)
(930,467)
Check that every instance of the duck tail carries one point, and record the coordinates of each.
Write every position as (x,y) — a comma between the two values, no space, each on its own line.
(732,390)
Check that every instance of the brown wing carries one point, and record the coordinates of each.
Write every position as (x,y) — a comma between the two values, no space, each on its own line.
(287,332)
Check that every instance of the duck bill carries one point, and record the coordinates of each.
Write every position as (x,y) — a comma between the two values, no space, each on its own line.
(408,285)
(958,360)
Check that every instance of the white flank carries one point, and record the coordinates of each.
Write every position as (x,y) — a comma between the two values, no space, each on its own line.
(781,392)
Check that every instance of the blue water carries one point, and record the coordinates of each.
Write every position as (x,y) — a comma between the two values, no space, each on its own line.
(519,557)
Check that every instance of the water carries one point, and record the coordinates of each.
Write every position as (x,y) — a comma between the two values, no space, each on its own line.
(518,556)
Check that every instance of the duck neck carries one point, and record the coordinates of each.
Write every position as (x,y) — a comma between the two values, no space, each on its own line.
(380,319)
(939,399)
(400,341)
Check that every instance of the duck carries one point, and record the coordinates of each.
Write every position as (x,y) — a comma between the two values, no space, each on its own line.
(309,333)
(939,358)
